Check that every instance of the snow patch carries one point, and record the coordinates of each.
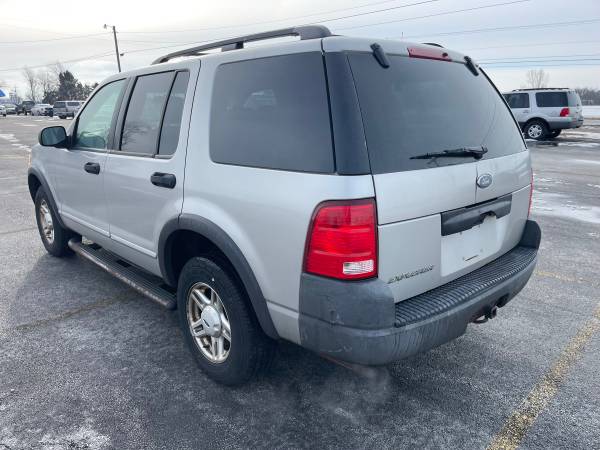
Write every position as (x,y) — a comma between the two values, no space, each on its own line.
(559,205)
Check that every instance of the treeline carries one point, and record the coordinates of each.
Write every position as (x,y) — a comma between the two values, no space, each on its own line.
(55,83)
(589,96)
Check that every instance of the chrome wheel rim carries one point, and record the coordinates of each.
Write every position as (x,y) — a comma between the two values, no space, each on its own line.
(208,322)
(535,131)
(46,222)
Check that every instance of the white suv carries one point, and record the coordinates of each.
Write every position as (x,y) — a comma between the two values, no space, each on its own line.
(366,199)
(544,113)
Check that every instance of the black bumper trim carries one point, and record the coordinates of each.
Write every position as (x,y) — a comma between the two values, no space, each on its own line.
(422,322)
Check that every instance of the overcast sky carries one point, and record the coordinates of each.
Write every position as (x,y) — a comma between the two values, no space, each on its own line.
(35,33)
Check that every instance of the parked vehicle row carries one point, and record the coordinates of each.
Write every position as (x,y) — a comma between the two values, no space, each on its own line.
(544,113)
(63,108)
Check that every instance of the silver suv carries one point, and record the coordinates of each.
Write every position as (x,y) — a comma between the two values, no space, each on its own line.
(66,108)
(365,199)
(544,113)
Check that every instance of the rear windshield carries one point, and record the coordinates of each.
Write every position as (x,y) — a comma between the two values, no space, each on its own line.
(419,106)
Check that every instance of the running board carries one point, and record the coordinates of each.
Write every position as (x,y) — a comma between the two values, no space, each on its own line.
(146,284)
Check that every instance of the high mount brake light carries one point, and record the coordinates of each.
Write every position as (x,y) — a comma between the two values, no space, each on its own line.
(342,240)
(429,53)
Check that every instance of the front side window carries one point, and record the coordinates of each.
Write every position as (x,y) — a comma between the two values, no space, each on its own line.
(551,99)
(144,113)
(94,123)
(272,113)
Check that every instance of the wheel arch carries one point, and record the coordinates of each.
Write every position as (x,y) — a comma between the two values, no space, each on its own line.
(201,234)
(35,180)
(536,119)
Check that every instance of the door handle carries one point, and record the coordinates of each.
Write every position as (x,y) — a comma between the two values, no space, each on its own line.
(166,180)
(91,167)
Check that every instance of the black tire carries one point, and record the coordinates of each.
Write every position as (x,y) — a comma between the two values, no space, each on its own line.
(59,245)
(536,129)
(250,350)
(554,133)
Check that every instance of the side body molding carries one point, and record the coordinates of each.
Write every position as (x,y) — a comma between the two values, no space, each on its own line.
(218,237)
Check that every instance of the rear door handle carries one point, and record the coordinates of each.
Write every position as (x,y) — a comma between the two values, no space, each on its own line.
(166,180)
(91,167)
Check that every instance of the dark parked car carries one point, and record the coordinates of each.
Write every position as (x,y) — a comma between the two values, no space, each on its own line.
(25,107)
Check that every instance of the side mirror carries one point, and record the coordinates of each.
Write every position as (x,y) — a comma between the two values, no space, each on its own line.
(53,137)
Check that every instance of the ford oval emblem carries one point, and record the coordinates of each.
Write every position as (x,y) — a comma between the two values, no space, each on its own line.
(484,180)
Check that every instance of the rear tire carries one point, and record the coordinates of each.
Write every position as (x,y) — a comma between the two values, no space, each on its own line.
(54,237)
(554,133)
(218,323)
(536,129)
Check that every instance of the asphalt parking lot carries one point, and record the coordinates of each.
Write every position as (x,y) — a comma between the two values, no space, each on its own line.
(86,363)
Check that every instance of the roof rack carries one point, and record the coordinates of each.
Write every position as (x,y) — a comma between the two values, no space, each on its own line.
(542,89)
(304,32)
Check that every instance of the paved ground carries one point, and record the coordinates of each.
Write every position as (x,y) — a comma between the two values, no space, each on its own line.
(85,363)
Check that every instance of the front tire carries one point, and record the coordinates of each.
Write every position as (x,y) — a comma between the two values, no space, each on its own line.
(218,324)
(54,237)
(536,129)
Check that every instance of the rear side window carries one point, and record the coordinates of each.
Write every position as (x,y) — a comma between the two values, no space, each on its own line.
(272,113)
(551,99)
(517,100)
(59,105)
(169,135)
(144,113)
(73,103)
(419,106)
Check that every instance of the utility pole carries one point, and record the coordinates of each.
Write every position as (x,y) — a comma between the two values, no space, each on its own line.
(116,44)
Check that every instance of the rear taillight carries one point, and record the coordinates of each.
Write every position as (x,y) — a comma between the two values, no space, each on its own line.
(530,194)
(342,240)
(564,112)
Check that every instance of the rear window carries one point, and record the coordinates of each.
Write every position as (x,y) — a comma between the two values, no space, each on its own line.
(517,100)
(419,106)
(272,113)
(59,105)
(551,99)
(73,103)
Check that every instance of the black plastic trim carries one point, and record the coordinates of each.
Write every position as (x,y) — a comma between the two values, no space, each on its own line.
(31,172)
(346,331)
(462,219)
(351,157)
(221,240)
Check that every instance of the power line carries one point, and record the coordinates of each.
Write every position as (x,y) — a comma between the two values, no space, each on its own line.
(456,11)
(294,17)
(541,44)
(86,58)
(515,27)
(80,36)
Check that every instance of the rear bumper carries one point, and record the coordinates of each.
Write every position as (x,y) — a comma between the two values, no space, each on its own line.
(360,323)
(565,124)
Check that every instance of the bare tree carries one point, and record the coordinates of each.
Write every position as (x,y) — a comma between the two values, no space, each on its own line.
(32,83)
(48,85)
(537,78)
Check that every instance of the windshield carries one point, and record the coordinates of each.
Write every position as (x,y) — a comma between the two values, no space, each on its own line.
(419,106)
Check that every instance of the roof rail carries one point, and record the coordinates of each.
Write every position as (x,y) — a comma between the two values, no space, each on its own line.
(543,89)
(304,32)
(434,44)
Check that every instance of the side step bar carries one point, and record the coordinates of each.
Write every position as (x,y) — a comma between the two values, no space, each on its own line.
(148,285)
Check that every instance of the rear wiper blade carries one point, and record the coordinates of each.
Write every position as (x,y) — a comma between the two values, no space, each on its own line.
(463,152)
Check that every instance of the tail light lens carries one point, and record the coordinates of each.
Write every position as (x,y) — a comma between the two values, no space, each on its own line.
(342,240)
(564,112)
(530,194)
